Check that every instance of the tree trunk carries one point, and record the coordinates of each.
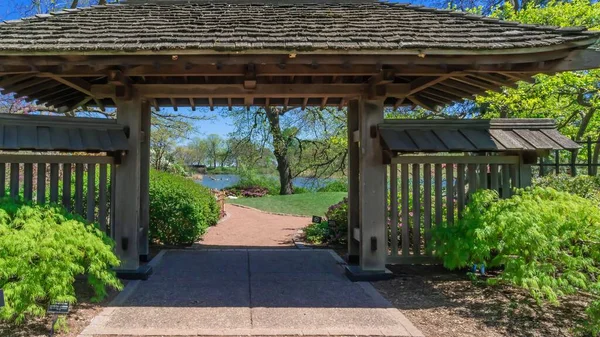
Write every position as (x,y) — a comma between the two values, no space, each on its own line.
(280,150)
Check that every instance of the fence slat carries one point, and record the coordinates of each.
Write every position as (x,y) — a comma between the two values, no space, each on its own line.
(14,180)
(66,194)
(79,189)
(404,200)
(450,193)
(102,205)
(505,181)
(514,177)
(460,188)
(472,173)
(91,193)
(438,193)
(53,183)
(113,178)
(494,177)
(28,181)
(394,209)
(41,183)
(483,176)
(2,179)
(427,205)
(416,180)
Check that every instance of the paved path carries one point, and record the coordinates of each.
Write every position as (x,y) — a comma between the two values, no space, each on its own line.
(249,292)
(245,227)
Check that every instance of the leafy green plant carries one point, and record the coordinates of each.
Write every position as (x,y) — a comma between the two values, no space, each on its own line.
(338,213)
(543,240)
(42,250)
(583,185)
(250,179)
(337,185)
(317,233)
(180,209)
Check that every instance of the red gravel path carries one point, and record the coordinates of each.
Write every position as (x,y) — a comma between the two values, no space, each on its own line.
(245,227)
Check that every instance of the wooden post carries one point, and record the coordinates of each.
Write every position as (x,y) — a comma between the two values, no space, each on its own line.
(353,182)
(372,180)
(525,173)
(145,182)
(127,190)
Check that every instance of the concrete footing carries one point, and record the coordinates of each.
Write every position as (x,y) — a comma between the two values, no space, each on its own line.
(357,274)
(142,273)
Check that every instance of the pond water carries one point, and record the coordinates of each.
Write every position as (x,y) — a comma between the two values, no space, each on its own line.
(221,181)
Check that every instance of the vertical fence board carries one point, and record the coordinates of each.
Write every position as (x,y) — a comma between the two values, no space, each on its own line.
(460,188)
(91,193)
(494,177)
(2,179)
(404,201)
(505,181)
(102,204)
(483,174)
(66,193)
(41,183)
(14,180)
(394,209)
(28,181)
(438,193)
(112,223)
(472,174)
(514,177)
(416,183)
(427,204)
(79,189)
(450,193)
(53,183)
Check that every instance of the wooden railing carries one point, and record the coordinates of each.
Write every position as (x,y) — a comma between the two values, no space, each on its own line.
(434,190)
(81,184)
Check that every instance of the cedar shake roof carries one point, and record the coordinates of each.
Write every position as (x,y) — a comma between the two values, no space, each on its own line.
(474,135)
(237,26)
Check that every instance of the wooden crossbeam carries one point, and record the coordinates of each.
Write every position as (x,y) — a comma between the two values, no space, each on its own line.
(14,79)
(475,83)
(422,103)
(75,83)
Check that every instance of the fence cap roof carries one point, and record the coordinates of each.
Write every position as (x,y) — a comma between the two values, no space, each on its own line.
(64,134)
(473,135)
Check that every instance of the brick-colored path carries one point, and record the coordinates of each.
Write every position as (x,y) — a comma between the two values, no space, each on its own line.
(245,227)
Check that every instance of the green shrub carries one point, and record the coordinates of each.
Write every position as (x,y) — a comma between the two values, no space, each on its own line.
(180,209)
(339,214)
(337,185)
(42,250)
(544,241)
(584,186)
(250,179)
(317,233)
(301,190)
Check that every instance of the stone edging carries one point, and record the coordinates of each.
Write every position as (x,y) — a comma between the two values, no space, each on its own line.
(267,212)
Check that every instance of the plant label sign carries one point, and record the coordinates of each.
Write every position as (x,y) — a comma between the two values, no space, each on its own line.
(316,219)
(60,308)
(2,298)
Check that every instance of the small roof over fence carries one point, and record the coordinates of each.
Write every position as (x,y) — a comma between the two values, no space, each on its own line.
(493,135)
(63,134)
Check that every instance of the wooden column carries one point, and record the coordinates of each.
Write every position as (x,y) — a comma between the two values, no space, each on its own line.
(127,188)
(145,182)
(353,182)
(372,173)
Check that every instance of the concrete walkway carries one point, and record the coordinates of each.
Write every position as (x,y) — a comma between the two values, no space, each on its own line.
(249,292)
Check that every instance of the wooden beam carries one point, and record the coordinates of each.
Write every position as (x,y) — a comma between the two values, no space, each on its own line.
(424,83)
(174,104)
(75,83)
(192,104)
(420,102)
(6,82)
(79,104)
(476,83)
(211,104)
(17,88)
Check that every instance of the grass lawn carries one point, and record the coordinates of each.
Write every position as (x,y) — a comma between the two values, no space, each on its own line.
(299,204)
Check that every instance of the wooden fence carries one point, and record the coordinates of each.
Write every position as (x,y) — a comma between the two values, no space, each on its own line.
(433,190)
(80,183)
(569,161)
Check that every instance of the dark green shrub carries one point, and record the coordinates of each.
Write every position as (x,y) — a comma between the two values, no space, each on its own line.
(338,213)
(543,240)
(300,190)
(317,233)
(42,250)
(180,209)
(337,185)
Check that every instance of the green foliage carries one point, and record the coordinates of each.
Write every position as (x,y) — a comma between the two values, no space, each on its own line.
(180,209)
(42,250)
(251,179)
(583,185)
(545,241)
(317,233)
(325,232)
(337,185)
(306,204)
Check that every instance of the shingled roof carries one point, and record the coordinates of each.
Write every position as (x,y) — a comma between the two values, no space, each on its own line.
(235,25)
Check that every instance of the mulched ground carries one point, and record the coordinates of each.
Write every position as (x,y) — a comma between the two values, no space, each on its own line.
(448,304)
(80,316)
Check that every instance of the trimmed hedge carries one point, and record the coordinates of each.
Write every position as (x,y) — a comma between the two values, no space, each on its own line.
(180,209)
(42,250)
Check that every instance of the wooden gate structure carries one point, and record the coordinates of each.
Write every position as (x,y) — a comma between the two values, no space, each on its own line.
(435,165)
(365,55)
